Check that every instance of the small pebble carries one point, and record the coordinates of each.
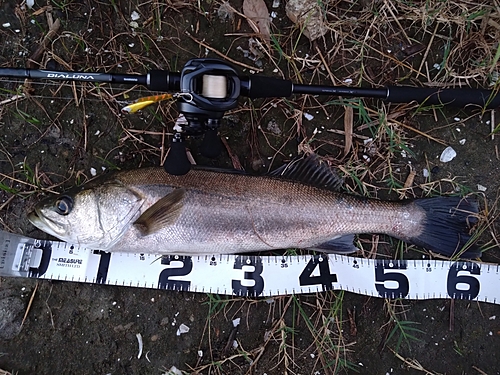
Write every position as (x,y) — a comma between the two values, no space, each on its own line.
(182,329)
(447,155)
(135,16)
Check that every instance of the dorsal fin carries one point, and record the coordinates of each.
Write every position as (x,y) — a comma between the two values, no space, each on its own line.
(309,170)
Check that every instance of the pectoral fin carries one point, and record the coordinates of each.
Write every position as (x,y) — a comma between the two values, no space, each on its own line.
(161,214)
(340,245)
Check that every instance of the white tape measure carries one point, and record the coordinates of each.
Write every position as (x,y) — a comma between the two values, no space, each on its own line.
(253,276)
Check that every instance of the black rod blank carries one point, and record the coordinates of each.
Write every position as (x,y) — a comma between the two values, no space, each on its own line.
(266,87)
(61,75)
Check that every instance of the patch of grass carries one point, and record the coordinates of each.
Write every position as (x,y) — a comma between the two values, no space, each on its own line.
(216,303)
(356,172)
(402,331)
(26,117)
(327,333)
(62,4)
(30,175)
(8,189)
(457,349)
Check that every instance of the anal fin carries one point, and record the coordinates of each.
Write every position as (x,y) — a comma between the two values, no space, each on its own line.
(340,245)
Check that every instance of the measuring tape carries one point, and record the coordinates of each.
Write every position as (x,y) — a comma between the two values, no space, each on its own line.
(252,276)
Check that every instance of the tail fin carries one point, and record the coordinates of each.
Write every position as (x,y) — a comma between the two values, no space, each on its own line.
(447,226)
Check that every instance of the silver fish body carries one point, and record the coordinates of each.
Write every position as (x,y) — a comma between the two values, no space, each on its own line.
(207,212)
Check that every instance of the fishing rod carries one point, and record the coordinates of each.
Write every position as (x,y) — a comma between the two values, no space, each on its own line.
(206,88)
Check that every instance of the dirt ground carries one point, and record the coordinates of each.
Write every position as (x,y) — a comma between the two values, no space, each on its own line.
(53,137)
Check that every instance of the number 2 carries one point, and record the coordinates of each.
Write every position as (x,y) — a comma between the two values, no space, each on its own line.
(164,281)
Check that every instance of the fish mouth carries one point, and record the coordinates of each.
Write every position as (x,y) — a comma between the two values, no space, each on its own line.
(44,223)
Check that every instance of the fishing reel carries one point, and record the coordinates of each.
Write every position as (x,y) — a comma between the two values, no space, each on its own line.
(208,88)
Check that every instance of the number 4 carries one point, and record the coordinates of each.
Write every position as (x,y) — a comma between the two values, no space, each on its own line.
(325,278)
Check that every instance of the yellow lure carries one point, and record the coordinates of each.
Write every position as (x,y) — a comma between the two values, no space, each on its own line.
(144,102)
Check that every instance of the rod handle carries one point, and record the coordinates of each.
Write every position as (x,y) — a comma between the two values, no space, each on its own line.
(267,87)
(164,81)
(459,97)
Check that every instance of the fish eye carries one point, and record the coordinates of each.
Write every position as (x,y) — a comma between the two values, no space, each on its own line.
(64,205)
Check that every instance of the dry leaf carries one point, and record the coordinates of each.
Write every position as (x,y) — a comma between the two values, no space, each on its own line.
(307,15)
(348,125)
(258,18)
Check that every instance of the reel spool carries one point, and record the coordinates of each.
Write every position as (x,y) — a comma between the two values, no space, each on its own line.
(214,87)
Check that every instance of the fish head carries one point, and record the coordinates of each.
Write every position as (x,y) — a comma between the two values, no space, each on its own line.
(94,216)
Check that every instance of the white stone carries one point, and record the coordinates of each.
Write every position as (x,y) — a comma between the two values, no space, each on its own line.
(308,116)
(135,16)
(481,188)
(182,329)
(447,155)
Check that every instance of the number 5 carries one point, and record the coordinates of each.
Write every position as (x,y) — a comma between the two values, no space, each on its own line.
(381,276)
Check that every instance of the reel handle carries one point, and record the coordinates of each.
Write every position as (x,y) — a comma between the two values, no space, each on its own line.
(177,162)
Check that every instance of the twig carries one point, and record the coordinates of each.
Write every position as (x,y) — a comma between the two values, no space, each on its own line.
(203,44)
(492,124)
(54,28)
(414,364)
(26,183)
(479,370)
(29,304)
(234,158)
(325,65)
(429,45)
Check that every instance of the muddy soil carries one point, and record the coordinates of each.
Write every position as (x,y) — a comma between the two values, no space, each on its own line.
(58,134)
